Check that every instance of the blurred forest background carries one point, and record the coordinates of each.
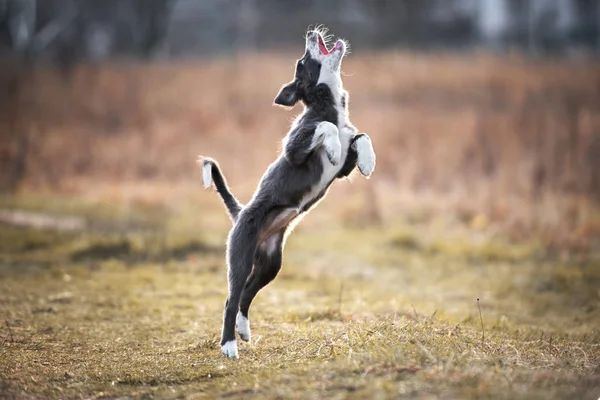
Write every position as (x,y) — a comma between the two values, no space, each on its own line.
(489,109)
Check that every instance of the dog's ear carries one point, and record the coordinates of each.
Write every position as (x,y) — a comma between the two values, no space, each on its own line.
(288,95)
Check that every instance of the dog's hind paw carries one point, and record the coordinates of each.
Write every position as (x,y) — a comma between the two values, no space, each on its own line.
(230,349)
(243,327)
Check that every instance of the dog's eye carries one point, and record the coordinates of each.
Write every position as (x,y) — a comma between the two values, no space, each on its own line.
(299,66)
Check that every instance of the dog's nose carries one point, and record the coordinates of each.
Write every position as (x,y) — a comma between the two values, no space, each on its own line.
(312,35)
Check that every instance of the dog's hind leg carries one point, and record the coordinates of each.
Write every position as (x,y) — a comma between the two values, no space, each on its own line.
(267,263)
(240,255)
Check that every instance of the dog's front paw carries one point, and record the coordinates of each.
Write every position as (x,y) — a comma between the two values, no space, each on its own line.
(243,327)
(329,135)
(230,349)
(366,155)
(333,149)
(326,129)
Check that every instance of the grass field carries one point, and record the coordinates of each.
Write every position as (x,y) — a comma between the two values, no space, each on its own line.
(411,308)
(467,267)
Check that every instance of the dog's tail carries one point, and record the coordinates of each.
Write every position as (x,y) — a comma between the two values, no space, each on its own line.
(211,173)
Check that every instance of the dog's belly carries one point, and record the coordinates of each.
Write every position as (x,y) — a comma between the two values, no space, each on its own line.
(330,171)
(276,221)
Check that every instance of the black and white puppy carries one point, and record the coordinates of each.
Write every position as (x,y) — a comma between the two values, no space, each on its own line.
(321,146)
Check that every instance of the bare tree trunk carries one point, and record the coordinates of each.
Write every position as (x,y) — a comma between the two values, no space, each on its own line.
(17,138)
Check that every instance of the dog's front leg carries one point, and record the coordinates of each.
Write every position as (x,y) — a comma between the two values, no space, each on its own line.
(303,140)
(365,154)
(328,135)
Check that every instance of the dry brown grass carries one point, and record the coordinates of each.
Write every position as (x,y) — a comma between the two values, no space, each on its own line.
(502,142)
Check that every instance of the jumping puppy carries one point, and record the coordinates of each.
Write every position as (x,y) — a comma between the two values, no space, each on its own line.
(322,145)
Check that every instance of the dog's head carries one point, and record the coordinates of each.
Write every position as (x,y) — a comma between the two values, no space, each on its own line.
(319,66)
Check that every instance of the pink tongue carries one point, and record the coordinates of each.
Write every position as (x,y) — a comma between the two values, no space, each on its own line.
(322,47)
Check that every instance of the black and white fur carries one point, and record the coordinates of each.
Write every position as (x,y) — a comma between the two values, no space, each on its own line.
(321,146)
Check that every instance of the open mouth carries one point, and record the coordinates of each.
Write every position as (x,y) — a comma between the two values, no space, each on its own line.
(322,45)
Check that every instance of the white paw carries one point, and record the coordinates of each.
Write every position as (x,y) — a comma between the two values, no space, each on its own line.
(366,155)
(230,349)
(243,327)
(333,149)
(328,134)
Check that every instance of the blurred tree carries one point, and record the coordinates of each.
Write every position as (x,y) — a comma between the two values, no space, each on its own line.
(73,30)
(66,32)
(19,33)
